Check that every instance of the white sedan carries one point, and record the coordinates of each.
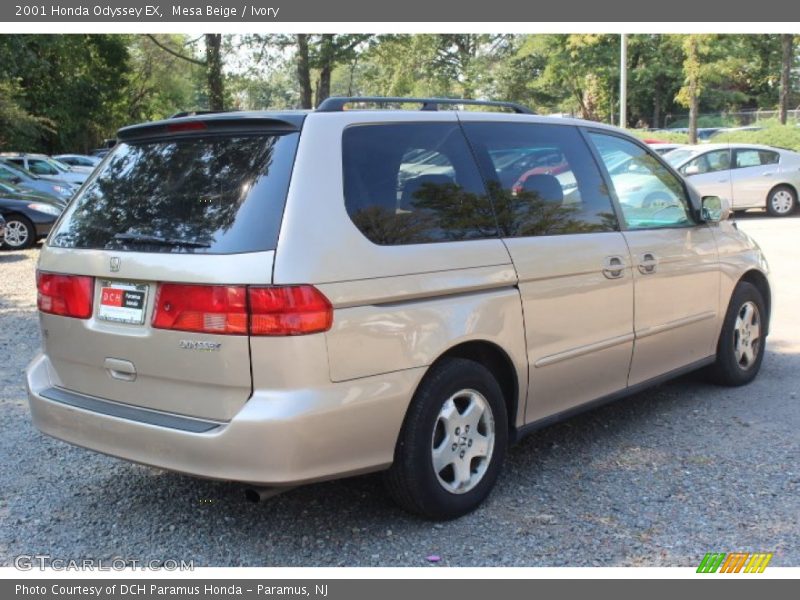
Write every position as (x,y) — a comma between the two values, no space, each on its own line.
(749,175)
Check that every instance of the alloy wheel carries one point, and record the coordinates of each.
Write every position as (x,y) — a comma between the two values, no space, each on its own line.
(463,441)
(747,335)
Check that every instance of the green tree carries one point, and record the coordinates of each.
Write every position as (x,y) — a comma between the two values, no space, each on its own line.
(74,81)
(212,64)
(18,127)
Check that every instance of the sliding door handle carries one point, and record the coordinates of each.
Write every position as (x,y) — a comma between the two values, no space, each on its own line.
(613,267)
(648,263)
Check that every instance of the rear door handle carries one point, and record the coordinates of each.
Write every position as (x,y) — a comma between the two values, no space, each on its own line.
(648,263)
(613,267)
(120,369)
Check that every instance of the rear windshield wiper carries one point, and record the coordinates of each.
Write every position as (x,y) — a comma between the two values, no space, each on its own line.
(160,241)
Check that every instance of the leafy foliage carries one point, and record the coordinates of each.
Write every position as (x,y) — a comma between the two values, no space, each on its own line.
(69,92)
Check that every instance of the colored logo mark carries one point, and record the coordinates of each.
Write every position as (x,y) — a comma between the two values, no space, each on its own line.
(735,562)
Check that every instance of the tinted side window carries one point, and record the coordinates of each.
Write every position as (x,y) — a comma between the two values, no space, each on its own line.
(414,183)
(719,160)
(649,194)
(755,158)
(747,158)
(544,180)
(7,174)
(40,167)
(768,157)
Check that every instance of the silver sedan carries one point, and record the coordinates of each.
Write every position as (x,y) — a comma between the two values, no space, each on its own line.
(749,175)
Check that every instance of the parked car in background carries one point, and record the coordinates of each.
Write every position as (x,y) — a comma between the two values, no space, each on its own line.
(231,298)
(79,160)
(28,218)
(10,174)
(706,133)
(10,190)
(46,167)
(105,148)
(749,175)
(723,130)
(663,147)
(703,133)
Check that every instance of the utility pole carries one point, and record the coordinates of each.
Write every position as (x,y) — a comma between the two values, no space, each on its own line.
(623,80)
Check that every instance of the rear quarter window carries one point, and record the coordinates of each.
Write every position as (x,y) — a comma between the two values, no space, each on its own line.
(216,194)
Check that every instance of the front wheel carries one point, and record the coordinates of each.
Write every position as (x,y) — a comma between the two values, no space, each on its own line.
(453,441)
(20,233)
(740,348)
(781,201)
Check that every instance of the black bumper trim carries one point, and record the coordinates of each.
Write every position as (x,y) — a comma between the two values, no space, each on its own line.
(126,411)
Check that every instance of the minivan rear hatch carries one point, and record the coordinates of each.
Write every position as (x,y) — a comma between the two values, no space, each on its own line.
(163,243)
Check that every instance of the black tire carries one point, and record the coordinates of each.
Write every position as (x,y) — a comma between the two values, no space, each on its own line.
(778,198)
(728,370)
(412,481)
(19,224)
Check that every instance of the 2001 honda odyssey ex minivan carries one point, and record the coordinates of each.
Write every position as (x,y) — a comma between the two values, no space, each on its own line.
(279,298)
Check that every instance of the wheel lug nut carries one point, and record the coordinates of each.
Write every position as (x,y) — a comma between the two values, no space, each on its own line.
(466,428)
(458,430)
(454,447)
(461,455)
(469,444)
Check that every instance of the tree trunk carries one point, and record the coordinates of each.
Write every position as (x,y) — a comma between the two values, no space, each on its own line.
(787,40)
(216,93)
(326,63)
(693,108)
(324,88)
(692,67)
(656,111)
(304,71)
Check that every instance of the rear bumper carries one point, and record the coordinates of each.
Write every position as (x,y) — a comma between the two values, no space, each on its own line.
(277,438)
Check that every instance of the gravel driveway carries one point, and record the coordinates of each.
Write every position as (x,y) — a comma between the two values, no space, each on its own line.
(658,479)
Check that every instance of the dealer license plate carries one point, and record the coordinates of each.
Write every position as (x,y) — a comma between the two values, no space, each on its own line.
(122,302)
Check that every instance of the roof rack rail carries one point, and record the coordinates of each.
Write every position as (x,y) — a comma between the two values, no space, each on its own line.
(337,104)
(192,113)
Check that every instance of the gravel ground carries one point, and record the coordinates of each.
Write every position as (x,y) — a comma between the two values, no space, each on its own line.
(658,479)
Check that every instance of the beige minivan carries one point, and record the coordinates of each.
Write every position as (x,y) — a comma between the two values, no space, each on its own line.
(285,297)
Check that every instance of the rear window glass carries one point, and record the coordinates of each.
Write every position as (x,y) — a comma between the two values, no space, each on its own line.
(212,194)
(414,183)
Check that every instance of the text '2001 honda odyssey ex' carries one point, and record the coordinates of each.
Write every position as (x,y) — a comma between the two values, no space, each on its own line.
(279,298)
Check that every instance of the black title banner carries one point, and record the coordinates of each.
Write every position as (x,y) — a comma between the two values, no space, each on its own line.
(406,11)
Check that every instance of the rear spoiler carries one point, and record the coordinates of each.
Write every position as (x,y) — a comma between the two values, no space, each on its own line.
(214,123)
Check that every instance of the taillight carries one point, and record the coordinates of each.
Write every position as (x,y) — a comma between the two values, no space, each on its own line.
(289,310)
(239,310)
(218,309)
(65,295)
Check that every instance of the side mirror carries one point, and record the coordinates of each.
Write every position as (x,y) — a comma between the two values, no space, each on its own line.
(716,209)
(691,170)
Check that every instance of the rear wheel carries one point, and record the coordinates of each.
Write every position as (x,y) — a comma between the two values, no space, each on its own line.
(20,233)
(740,348)
(781,201)
(451,448)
